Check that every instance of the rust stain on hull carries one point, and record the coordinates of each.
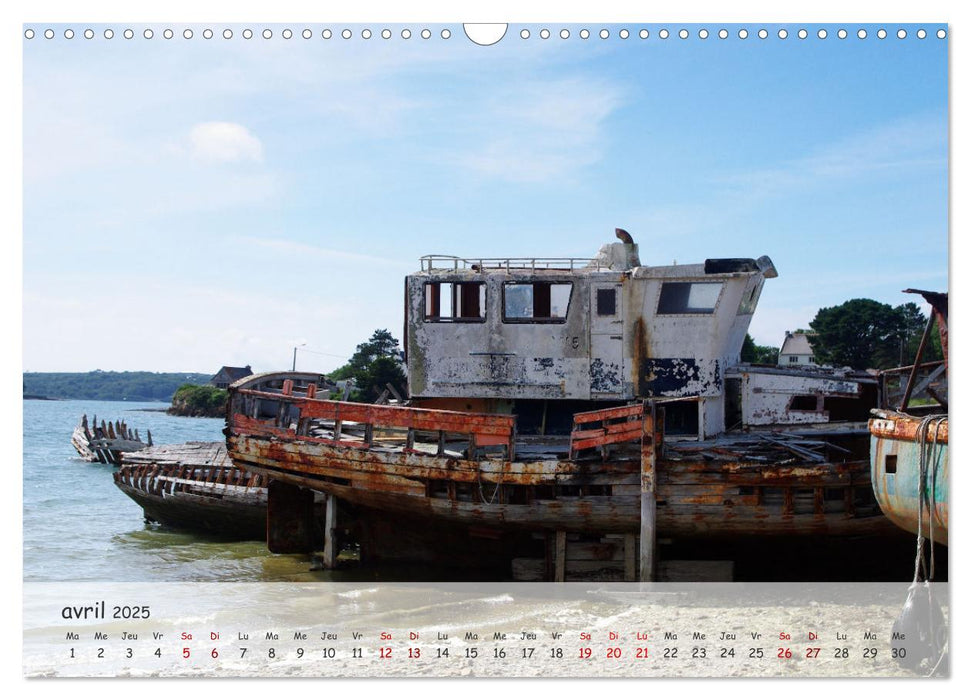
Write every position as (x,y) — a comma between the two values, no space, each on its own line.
(907,430)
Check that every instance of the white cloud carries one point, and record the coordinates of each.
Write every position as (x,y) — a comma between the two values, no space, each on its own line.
(224,142)
(538,132)
(303,251)
(897,148)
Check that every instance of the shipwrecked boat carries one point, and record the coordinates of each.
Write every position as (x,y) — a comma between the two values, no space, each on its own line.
(195,486)
(583,396)
(909,442)
(106,443)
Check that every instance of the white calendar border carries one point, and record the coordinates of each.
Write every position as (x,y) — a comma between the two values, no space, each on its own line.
(711,11)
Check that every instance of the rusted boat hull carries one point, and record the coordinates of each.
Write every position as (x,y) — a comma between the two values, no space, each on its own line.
(374,483)
(913,497)
(592,484)
(684,510)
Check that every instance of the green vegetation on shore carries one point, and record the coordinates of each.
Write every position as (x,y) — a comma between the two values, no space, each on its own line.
(374,364)
(758,354)
(193,400)
(109,386)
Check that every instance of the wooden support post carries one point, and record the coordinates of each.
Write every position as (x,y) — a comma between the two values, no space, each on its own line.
(548,568)
(330,533)
(559,557)
(289,518)
(648,534)
(630,558)
(650,443)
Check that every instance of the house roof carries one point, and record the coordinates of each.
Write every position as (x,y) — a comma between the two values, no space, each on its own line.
(233,373)
(796,344)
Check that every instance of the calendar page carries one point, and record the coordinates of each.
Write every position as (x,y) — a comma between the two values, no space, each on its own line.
(369,349)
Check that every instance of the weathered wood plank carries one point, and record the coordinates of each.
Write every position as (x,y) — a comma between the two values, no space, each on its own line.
(630,557)
(395,416)
(608,413)
(330,533)
(689,571)
(594,551)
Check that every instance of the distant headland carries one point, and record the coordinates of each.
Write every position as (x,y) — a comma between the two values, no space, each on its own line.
(108,386)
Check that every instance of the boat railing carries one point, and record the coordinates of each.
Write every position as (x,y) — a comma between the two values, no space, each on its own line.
(600,429)
(292,414)
(440,263)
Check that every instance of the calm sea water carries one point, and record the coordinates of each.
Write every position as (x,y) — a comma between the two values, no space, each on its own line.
(78,526)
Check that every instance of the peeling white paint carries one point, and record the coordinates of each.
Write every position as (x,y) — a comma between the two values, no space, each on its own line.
(633,353)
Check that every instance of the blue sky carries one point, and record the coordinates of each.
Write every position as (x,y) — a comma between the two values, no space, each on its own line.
(194,203)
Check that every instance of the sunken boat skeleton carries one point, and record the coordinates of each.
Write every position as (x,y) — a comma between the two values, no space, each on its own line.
(581,396)
(107,442)
(195,486)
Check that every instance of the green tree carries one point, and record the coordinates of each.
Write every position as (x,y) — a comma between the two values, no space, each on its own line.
(912,327)
(867,334)
(758,354)
(374,364)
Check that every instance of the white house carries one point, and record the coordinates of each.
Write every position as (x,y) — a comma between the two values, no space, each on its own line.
(797,350)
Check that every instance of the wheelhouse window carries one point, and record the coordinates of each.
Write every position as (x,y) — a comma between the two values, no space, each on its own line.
(606,302)
(750,299)
(536,302)
(451,302)
(688,297)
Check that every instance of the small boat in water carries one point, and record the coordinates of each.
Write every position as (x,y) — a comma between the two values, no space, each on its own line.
(194,486)
(909,444)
